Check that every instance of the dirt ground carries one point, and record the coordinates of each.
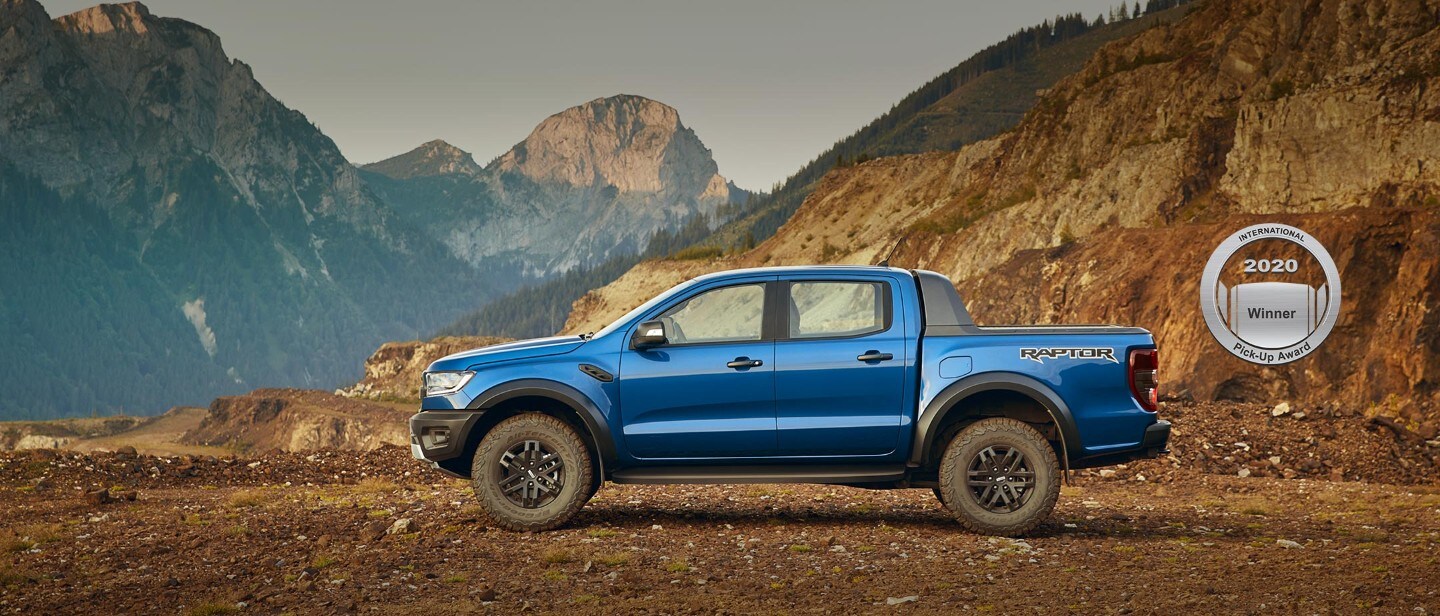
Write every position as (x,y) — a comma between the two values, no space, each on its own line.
(208,536)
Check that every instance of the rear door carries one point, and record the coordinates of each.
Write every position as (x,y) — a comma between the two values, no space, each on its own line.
(840,367)
(709,392)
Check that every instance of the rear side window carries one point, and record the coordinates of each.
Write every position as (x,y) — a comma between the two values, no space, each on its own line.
(829,309)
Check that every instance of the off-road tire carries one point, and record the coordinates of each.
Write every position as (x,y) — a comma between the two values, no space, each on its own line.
(558,437)
(1039,458)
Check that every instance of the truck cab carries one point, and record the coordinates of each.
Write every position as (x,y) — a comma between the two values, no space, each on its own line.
(873,377)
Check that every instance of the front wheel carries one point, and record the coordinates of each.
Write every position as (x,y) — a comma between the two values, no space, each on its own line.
(999,476)
(532,473)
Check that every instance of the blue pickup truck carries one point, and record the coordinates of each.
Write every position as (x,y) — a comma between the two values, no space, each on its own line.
(873,377)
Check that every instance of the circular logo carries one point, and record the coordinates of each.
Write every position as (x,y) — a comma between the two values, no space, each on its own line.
(1270,294)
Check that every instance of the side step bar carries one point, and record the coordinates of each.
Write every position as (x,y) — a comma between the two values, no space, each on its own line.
(778,473)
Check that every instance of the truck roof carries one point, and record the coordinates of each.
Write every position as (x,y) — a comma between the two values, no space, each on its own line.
(804,269)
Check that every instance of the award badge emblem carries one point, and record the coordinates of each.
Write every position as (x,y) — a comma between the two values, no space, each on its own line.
(1270,294)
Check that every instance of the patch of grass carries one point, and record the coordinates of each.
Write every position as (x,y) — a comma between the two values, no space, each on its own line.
(322,562)
(601,533)
(678,565)
(616,559)
(238,530)
(213,608)
(195,519)
(555,575)
(373,485)
(586,599)
(455,579)
(1371,536)
(777,585)
(698,253)
(800,547)
(378,513)
(16,546)
(244,499)
(556,556)
(865,548)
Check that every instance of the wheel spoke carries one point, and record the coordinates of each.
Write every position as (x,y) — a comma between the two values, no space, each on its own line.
(998,498)
(985,496)
(1017,461)
(1008,461)
(987,458)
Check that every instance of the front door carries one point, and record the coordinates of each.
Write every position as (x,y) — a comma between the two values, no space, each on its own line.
(840,369)
(710,390)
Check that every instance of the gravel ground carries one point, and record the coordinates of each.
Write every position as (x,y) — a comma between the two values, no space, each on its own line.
(1259,509)
(221,536)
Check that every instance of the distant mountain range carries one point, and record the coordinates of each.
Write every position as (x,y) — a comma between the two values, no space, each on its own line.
(171,232)
(590,182)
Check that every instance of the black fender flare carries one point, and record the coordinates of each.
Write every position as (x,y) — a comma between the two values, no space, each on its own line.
(950,398)
(587,410)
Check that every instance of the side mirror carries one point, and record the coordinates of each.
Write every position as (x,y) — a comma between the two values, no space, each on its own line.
(649,334)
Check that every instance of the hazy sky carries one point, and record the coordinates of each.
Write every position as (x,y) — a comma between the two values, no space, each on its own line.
(766,85)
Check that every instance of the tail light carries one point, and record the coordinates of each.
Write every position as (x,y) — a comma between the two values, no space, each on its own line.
(1144,378)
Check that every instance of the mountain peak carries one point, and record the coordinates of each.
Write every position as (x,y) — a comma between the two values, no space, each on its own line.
(101,18)
(26,13)
(633,143)
(435,157)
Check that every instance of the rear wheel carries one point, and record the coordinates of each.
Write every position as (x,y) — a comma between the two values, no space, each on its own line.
(532,473)
(999,476)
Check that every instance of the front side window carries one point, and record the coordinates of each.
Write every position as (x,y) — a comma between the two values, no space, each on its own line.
(836,309)
(727,314)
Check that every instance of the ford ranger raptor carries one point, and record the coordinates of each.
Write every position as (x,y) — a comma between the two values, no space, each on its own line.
(873,377)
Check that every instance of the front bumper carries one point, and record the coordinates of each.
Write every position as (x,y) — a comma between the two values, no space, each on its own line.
(440,437)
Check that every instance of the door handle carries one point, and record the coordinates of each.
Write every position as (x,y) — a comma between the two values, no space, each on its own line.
(744,362)
(875,356)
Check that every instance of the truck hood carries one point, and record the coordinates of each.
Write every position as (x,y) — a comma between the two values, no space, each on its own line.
(523,349)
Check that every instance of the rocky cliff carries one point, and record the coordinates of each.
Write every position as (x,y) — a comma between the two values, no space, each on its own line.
(1104,202)
(590,182)
(393,371)
(299,420)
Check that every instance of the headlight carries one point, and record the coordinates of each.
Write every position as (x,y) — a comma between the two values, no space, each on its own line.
(440,383)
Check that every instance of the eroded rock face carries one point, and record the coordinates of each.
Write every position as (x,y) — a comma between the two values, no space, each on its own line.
(630,142)
(299,420)
(1103,205)
(393,372)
